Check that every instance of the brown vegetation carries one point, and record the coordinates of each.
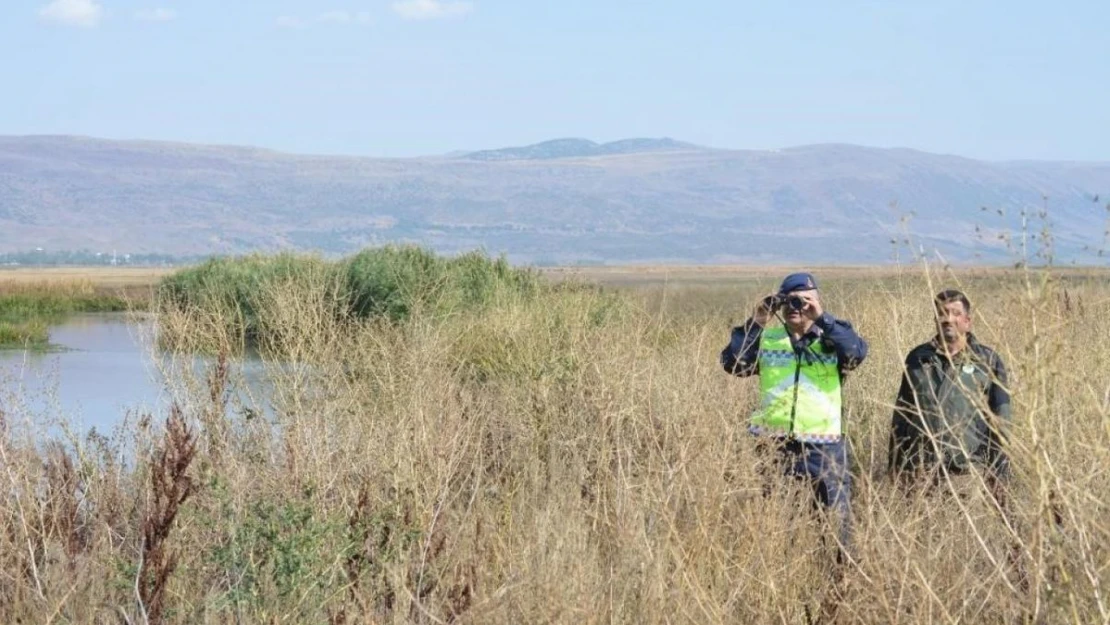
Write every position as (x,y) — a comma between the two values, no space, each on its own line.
(570,458)
(131,283)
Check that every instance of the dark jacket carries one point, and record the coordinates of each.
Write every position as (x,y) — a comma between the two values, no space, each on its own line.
(741,356)
(951,414)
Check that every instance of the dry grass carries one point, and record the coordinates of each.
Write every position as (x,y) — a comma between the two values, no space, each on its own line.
(132,284)
(566,459)
(79,284)
(104,277)
(720,275)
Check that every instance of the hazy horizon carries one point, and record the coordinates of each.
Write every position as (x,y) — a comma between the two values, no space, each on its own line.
(464,151)
(407,78)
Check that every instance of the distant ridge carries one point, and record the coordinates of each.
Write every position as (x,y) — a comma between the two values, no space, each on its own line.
(565,201)
(578,148)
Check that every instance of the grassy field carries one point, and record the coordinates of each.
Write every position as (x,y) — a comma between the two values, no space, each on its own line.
(563,455)
(102,277)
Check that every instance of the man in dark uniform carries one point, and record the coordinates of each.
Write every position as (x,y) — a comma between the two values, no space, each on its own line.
(953,408)
(952,416)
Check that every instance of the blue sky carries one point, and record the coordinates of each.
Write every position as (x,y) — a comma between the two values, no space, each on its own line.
(996,80)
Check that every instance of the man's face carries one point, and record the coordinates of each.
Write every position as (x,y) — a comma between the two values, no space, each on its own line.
(796,317)
(953,321)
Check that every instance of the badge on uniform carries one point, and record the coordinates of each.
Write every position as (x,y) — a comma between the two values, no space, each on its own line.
(969,369)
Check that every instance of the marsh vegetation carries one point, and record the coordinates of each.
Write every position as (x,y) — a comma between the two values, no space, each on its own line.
(467,442)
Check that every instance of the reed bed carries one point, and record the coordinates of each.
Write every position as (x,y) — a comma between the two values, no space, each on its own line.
(28,307)
(556,454)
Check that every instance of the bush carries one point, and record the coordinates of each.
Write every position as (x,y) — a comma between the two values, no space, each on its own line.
(393,282)
(389,283)
(230,287)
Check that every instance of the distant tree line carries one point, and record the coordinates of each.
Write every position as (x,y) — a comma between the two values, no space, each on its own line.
(84,258)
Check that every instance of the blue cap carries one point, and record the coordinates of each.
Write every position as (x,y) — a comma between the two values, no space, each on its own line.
(797,282)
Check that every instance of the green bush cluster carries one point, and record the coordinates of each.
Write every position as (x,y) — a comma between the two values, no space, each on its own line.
(230,287)
(389,283)
(394,282)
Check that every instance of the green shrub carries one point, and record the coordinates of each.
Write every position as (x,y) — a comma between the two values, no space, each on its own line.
(393,282)
(389,283)
(230,287)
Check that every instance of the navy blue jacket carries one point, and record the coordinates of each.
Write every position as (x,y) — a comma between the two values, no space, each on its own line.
(741,356)
(939,414)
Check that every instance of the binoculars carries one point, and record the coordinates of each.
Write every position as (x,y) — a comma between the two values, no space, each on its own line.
(793,302)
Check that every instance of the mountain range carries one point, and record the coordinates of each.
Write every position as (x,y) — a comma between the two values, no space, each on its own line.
(565,201)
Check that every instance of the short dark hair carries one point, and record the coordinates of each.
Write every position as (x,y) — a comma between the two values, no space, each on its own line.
(948,296)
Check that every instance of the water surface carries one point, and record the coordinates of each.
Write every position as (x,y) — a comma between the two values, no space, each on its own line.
(104,370)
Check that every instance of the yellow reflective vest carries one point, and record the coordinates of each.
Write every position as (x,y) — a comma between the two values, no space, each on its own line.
(799,394)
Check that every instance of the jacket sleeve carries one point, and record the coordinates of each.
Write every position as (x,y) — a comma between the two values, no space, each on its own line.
(998,399)
(741,356)
(902,426)
(850,347)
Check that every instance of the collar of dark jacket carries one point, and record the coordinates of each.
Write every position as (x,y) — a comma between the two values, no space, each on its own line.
(974,348)
(802,346)
(812,335)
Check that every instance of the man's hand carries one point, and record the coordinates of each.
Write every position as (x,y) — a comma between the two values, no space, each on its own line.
(763,312)
(813,309)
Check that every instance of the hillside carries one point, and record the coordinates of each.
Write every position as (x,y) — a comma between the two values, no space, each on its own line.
(565,201)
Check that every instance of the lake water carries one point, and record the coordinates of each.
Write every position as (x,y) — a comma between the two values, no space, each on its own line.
(105,370)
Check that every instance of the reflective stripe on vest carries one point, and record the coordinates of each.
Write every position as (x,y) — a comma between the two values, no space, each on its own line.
(799,397)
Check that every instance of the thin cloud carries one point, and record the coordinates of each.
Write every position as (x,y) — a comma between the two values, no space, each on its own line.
(328,17)
(345,17)
(160,14)
(82,13)
(431,9)
(288,21)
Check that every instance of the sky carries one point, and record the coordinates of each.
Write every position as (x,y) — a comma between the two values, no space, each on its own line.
(1020,79)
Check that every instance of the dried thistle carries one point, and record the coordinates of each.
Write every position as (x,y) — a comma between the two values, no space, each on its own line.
(170,487)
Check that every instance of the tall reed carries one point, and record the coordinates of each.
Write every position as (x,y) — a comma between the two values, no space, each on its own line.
(564,455)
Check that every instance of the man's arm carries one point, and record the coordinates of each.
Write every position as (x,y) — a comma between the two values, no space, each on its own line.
(998,426)
(903,422)
(741,356)
(850,347)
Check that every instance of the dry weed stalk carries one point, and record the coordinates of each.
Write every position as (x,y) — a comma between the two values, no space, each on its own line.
(170,487)
(214,414)
(62,517)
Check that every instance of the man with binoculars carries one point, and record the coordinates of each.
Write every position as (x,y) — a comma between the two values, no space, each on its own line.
(801,366)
